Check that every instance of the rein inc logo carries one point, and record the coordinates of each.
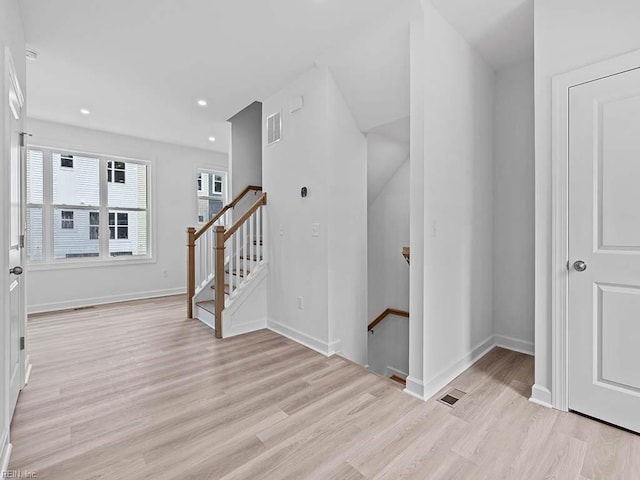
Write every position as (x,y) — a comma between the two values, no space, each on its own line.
(19,474)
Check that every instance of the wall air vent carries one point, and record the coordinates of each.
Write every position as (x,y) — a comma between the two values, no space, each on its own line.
(274,128)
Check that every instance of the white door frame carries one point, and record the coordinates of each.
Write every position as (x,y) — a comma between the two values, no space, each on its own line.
(560,213)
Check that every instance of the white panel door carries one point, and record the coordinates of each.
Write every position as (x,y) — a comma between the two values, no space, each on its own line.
(604,249)
(16,250)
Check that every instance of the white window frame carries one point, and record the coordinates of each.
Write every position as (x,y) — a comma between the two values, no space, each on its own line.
(104,259)
(225,188)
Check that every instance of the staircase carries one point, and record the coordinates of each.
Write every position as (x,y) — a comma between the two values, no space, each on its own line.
(385,349)
(226,264)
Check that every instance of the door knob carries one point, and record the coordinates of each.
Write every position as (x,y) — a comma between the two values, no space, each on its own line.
(580,266)
(16,270)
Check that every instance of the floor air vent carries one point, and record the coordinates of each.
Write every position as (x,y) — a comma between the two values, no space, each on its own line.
(451,398)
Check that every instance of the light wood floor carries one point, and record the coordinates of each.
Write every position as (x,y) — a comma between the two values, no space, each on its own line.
(136,391)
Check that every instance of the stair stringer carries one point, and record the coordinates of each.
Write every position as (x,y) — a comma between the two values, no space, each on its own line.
(246,309)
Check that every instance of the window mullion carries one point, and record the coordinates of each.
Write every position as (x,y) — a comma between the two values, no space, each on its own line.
(104,210)
(47,210)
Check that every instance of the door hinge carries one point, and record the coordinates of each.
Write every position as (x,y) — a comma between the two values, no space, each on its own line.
(22,241)
(21,343)
(22,139)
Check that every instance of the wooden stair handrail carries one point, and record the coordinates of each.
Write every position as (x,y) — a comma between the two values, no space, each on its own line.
(385,314)
(238,223)
(193,235)
(233,203)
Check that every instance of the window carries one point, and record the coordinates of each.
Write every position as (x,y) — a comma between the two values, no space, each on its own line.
(94,225)
(211,193)
(80,206)
(118,226)
(116,172)
(66,220)
(66,161)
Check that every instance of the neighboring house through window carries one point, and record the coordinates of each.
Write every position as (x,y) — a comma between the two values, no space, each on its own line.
(211,193)
(66,220)
(83,205)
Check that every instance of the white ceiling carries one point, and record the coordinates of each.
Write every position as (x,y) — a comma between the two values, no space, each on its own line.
(139,66)
(500,30)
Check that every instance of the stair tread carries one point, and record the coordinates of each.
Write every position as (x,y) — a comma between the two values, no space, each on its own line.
(398,379)
(208,305)
(227,288)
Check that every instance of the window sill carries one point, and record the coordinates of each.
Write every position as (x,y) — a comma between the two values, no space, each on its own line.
(72,264)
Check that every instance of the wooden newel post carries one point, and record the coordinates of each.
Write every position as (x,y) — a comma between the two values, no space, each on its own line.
(219,279)
(191,269)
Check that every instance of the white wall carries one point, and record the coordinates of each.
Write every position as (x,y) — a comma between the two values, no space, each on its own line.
(568,35)
(11,37)
(173,202)
(458,202)
(388,273)
(322,149)
(513,288)
(245,158)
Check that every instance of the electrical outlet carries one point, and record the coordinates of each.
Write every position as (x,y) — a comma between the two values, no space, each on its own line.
(165,274)
(315,229)
(301,303)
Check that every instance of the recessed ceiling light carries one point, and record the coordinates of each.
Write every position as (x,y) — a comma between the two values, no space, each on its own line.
(212,139)
(31,53)
(202,103)
(85,111)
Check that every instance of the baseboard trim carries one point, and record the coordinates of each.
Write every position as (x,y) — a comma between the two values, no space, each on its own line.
(515,344)
(248,327)
(414,387)
(90,302)
(301,338)
(541,396)
(389,371)
(442,379)
(5,451)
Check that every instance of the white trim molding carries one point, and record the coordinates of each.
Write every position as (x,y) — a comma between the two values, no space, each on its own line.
(442,379)
(541,396)
(325,348)
(95,301)
(515,344)
(562,84)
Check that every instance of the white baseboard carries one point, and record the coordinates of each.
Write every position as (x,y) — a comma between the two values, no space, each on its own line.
(302,338)
(5,454)
(515,344)
(247,328)
(443,378)
(415,388)
(541,396)
(90,302)
(390,371)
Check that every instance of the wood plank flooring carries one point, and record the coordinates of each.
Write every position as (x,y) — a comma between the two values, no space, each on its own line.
(136,391)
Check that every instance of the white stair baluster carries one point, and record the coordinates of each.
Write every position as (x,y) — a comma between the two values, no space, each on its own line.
(244,249)
(237,270)
(251,237)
